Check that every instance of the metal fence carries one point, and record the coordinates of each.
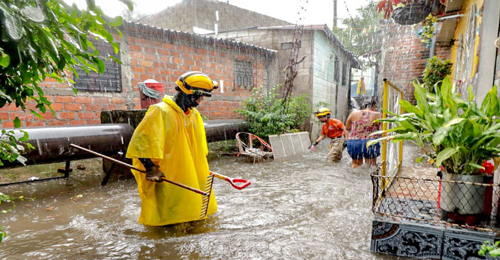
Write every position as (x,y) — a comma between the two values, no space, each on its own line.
(458,200)
(392,152)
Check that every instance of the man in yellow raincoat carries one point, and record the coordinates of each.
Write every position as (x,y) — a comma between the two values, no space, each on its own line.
(361,87)
(170,142)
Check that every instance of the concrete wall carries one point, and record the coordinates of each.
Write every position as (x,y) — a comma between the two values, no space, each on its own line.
(163,55)
(315,74)
(273,39)
(327,88)
(201,14)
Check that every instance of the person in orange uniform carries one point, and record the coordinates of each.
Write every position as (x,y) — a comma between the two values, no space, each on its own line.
(170,142)
(333,129)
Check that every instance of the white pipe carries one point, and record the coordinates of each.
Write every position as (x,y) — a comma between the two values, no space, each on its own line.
(449,17)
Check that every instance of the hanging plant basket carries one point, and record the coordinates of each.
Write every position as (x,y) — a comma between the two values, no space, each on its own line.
(411,14)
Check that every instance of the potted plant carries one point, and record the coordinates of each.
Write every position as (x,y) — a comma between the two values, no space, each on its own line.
(435,71)
(405,11)
(453,133)
(409,11)
(427,30)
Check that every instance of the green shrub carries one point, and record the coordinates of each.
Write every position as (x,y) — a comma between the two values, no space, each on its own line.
(435,71)
(490,249)
(266,113)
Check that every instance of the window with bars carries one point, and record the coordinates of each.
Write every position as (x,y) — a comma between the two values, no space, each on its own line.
(109,81)
(243,74)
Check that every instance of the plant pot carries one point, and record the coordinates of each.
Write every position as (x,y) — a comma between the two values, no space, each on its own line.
(462,198)
(411,14)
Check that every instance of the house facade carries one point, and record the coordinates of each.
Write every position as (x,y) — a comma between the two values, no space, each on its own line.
(325,72)
(474,54)
(466,33)
(153,53)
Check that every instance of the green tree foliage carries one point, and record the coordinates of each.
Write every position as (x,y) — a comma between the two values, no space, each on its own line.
(362,33)
(265,116)
(46,39)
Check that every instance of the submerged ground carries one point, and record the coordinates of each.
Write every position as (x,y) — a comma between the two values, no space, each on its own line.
(297,208)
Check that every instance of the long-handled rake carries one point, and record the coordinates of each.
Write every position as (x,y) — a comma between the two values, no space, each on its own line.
(139,170)
(208,183)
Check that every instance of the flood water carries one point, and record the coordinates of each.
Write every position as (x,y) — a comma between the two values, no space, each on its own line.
(298,208)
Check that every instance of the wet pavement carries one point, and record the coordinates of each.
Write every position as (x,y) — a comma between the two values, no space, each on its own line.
(299,207)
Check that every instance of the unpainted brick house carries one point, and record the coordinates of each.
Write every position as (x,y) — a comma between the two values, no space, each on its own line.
(155,53)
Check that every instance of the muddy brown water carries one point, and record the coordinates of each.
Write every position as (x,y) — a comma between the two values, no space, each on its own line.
(297,208)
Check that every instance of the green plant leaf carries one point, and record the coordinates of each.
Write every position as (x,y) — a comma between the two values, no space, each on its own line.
(420,159)
(129,3)
(495,252)
(405,136)
(4,60)
(100,65)
(470,93)
(408,107)
(490,105)
(453,121)
(376,141)
(116,21)
(17,122)
(25,137)
(445,154)
(477,166)
(439,136)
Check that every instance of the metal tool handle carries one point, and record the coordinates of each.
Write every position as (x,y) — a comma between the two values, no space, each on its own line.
(139,170)
(232,181)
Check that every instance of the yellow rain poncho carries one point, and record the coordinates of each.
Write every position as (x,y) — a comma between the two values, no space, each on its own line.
(361,87)
(177,143)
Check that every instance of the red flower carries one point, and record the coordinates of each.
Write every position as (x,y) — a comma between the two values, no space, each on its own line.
(488,168)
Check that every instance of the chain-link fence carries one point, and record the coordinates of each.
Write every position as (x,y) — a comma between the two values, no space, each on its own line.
(461,200)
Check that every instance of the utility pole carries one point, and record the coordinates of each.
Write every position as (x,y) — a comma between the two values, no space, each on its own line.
(334,13)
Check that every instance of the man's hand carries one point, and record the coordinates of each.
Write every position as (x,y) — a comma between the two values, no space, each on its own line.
(313,146)
(154,174)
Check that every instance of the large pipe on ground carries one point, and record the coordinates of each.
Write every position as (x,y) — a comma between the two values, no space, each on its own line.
(52,144)
(220,130)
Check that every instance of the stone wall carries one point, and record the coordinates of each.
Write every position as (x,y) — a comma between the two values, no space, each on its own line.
(201,14)
(163,55)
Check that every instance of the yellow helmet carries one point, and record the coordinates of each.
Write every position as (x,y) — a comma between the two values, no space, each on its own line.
(195,82)
(323,112)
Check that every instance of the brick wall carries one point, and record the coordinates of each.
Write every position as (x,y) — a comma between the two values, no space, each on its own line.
(201,13)
(404,58)
(163,55)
